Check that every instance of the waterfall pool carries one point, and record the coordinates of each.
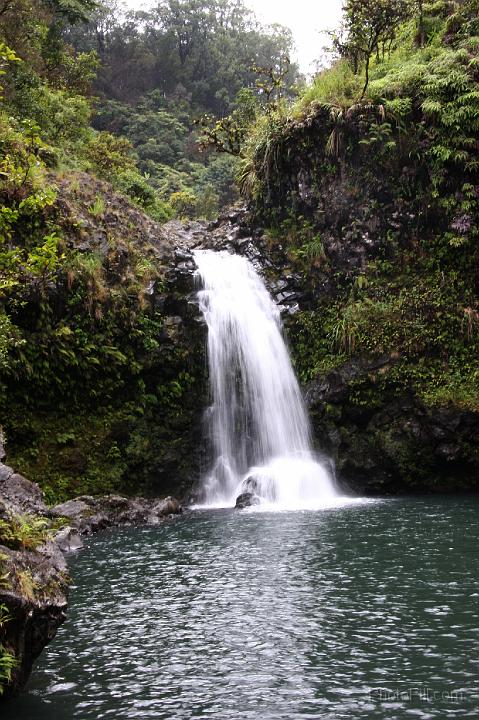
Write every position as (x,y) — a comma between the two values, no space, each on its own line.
(363,611)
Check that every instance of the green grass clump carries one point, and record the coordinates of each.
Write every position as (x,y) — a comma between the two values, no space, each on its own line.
(337,85)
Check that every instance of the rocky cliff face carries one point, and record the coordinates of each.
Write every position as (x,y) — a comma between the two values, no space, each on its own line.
(396,445)
(33,579)
(386,335)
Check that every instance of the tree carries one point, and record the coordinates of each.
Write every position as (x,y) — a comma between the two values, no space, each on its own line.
(270,82)
(185,59)
(369,27)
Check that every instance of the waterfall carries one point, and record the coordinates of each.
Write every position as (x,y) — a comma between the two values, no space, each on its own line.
(258,425)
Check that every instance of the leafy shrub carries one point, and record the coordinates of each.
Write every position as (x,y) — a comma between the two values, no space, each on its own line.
(62,116)
(136,186)
(109,155)
(9,338)
(184,203)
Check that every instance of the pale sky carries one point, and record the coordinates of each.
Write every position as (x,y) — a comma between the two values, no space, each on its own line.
(306,19)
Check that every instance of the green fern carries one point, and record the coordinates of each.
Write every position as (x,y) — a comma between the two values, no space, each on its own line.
(24,532)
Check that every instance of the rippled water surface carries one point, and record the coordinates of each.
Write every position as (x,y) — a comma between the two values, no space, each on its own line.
(366,611)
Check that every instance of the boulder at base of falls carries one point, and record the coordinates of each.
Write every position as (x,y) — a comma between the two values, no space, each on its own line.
(246,499)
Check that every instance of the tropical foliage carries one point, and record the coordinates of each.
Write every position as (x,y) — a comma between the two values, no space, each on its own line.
(379,157)
(162,71)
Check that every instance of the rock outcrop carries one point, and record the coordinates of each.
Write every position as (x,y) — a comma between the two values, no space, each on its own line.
(35,594)
(34,580)
(87,514)
(19,494)
(398,445)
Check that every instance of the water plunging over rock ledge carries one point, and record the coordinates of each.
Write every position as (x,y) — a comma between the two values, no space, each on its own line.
(392,443)
(258,424)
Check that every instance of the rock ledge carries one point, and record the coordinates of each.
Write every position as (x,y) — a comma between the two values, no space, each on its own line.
(34,579)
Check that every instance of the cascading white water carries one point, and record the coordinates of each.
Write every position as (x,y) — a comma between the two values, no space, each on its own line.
(258,423)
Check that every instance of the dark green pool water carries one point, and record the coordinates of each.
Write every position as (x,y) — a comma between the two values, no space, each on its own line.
(365,611)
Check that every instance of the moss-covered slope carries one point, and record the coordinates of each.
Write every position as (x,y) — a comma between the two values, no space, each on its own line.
(102,380)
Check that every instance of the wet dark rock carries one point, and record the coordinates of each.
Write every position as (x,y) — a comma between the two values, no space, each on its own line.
(185,267)
(35,591)
(177,306)
(71,509)
(4,510)
(183,255)
(278,286)
(21,494)
(164,508)
(289,308)
(395,445)
(242,243)
(68,540)
(88,514)
(6,472)
(286,297)
(247,499)
(37,597)
(181,280)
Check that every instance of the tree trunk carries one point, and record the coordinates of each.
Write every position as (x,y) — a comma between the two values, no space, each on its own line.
(420,28)
(366,75)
